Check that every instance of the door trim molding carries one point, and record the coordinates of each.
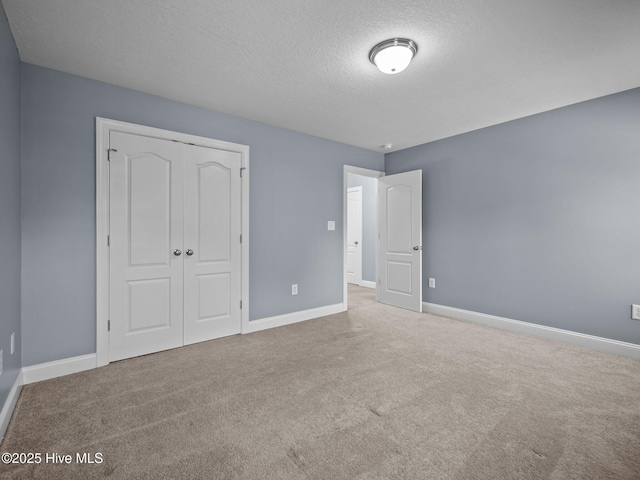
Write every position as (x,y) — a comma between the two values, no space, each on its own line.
(103,127)
(364,172)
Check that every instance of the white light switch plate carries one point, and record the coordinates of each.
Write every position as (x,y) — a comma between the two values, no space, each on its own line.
(1,362)
(331,225)
(635,312)
(432,283)
(13,343)
(294,289)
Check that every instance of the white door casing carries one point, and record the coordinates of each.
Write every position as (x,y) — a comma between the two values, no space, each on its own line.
(400,243)
(146,281)
(354,235)
(212,232)
(150,287)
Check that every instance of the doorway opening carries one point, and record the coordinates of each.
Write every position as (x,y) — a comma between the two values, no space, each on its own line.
(360,230)
(396,249)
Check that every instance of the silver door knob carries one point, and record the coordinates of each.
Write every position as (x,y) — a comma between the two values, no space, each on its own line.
(356,242)
(177,252)
(189,252)
(417,247)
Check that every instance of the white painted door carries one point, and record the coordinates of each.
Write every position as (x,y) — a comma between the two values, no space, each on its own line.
(175,251)
(400,228)
(212,227)
(354,235)
(146,264)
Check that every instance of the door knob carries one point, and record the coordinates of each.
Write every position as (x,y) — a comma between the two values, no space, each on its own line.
(189,252)
(177,252)
(417,247)
(356,242)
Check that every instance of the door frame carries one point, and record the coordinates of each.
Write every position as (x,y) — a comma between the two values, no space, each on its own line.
(103,128)
(365,172)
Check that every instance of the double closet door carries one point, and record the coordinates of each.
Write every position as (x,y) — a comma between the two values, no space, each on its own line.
(175,245)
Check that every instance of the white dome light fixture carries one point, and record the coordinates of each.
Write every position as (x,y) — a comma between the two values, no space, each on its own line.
(394,55)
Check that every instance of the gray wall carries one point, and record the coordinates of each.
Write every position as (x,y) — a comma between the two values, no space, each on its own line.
(369,192)
(296,187)
(537,219)
(9,206)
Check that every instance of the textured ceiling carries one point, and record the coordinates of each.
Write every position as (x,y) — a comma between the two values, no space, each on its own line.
(302,64)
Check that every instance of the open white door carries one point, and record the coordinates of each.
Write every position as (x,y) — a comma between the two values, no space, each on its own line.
(354,235)
(400,233)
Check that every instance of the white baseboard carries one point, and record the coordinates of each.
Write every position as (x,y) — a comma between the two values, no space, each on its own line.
(67,366)
(567,336)
(9,405)
(58,368)
(295,317)
(367,284)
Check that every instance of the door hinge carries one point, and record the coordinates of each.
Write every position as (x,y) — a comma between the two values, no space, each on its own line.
(240,238)
(108,325)
(240,303)
(108,240)
(241,169)
(109,153)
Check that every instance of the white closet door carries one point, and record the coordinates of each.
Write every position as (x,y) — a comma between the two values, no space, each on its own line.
(354,235)
(212,227)
(146,260)
(400,227)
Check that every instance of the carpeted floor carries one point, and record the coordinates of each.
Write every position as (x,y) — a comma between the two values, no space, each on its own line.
(374,393)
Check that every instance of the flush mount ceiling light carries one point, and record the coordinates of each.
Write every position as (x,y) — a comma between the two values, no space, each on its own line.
(394,55)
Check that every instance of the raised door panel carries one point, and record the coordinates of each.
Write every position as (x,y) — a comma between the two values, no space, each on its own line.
(149,305)
(398,225)
(398,277)
(146,278)
(212,226)
(214,212)
(214,294)
(149,209)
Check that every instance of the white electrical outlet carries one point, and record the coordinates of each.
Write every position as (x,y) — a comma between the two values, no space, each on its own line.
(13,343)
(432,283)
(294,289)
(331,225)
(635,312)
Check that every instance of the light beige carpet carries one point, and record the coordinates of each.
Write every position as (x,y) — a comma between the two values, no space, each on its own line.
(374,393)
